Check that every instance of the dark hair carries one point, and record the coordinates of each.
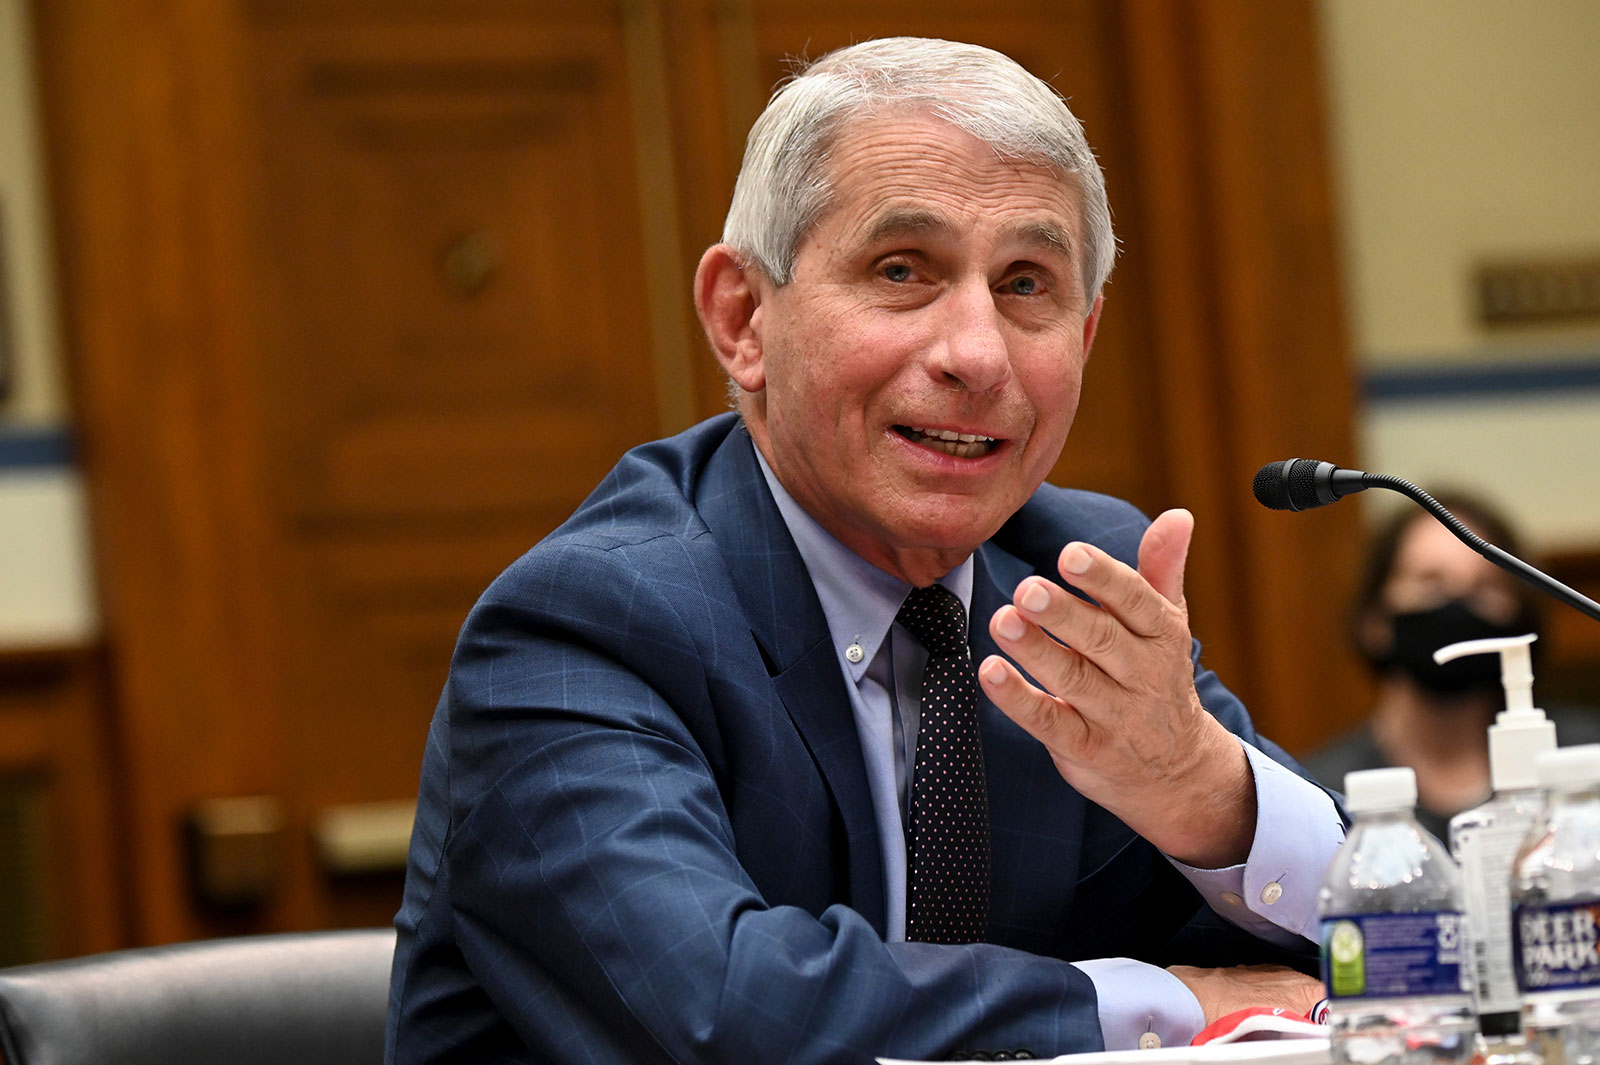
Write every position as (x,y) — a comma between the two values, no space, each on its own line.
(1481,517)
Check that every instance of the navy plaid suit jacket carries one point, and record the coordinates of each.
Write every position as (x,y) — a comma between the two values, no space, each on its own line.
(644,832)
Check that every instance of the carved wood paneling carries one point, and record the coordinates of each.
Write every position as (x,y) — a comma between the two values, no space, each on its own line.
(375,316)
(60,858)
(456,339)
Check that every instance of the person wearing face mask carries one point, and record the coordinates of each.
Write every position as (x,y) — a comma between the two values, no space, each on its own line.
(1423,589)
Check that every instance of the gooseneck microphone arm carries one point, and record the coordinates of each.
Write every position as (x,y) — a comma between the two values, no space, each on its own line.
(1505,560)
(1298,484)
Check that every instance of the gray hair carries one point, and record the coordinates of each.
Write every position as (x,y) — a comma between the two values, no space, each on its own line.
(783,185)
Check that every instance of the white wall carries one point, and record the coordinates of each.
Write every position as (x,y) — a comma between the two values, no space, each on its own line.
(36,398)
(1466,132)
(1463,130)
(46,594)
(1536,458)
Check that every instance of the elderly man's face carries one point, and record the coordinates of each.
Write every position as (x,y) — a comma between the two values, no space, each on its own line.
(917,378)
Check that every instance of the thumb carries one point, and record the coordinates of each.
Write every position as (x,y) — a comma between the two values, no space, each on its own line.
(1165,550)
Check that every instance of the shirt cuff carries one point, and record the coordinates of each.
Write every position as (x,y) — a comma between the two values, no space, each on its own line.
(1273,895)
(1142,1006)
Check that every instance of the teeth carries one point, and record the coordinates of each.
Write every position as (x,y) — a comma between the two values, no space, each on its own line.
(961,445)
(952,437)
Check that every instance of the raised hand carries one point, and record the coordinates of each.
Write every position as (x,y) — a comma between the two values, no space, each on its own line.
(1112,696)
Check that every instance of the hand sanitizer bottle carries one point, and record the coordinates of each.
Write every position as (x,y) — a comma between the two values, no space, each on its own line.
(1484,841)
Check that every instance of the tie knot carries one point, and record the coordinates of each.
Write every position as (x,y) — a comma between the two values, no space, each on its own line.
(937,619)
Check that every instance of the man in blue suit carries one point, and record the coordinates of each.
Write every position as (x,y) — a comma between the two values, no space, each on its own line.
(666,795)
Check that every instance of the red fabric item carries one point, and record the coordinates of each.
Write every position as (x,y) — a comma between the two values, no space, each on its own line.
(1262,1022)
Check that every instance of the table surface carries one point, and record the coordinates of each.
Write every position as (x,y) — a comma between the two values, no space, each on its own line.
(1298,1051)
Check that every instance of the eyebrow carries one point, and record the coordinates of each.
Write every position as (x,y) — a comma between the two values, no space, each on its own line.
(1045,234)
(907,222)
(915,222)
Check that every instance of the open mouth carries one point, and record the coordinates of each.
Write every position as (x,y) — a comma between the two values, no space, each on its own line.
(960,445)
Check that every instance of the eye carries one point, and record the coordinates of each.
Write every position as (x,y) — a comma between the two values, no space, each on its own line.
(898,272)
(1022,285)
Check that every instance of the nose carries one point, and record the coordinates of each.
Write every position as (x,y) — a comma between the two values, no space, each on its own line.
(970,352)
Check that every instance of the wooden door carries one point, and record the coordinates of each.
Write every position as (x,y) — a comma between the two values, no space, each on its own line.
(455,343)
(365,300)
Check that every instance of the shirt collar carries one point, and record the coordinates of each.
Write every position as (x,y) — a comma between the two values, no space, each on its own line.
(858,599)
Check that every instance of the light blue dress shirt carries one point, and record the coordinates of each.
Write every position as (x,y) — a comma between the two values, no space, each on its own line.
(1273,895)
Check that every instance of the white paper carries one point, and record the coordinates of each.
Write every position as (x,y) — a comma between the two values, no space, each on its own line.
(1307,1051)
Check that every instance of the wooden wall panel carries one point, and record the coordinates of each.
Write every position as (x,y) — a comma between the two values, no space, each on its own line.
(1569,669)
(143,148)
(375,317)
(63,868)
(710,83)
(455,333)
(1230,241)
(364,295)
(1286,386)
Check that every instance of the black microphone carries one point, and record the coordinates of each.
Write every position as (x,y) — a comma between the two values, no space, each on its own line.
(1299,484)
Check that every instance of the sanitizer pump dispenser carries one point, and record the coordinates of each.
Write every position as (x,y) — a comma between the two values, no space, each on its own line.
(1485,839)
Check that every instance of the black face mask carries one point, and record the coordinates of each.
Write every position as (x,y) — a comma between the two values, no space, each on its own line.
(1420,633)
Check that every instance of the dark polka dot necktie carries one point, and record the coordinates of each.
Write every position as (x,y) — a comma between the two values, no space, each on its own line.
(947,890)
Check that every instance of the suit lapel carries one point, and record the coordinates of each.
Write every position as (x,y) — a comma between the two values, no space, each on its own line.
(786,618)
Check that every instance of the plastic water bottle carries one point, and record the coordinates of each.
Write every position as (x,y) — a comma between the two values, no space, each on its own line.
(1393,950)
(1555,924)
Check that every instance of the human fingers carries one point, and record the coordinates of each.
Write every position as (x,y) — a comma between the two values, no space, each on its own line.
(1132,639)
(1050,720)
(1164,552)
(1126,729)
(1037,629)
(1119,590)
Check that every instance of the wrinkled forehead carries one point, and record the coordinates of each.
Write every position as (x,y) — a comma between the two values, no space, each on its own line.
(853,123)
(840,175)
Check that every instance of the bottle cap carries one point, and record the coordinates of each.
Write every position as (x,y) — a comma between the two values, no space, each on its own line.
(1519,731)
(1391,788)
(1566,766)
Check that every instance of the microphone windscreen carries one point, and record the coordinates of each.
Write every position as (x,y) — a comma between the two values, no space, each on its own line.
(1271,486)
(1308,482)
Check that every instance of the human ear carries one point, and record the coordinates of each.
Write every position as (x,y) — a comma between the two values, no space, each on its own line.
(1091,323)
(727,296)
